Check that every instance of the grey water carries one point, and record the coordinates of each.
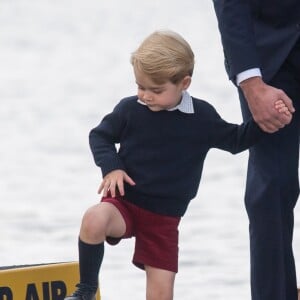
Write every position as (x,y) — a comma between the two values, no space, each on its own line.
(63,66)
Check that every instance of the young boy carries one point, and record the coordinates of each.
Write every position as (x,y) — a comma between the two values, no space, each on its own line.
(164,136)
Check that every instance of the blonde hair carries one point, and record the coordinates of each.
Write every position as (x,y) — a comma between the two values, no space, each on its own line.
(164,56)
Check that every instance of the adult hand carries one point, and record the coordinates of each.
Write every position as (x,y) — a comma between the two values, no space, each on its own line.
(261,100)
(114,182)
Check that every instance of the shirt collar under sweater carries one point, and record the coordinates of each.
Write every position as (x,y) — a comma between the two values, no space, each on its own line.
(185,105)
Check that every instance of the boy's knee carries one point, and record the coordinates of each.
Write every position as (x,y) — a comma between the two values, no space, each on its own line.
(92,225)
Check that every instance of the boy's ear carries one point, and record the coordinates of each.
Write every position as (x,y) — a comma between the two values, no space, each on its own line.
(186,81)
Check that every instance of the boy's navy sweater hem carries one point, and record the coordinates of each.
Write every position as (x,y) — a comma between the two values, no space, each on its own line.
(164,151)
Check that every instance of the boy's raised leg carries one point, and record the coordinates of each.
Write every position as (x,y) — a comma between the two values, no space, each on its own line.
(160,284)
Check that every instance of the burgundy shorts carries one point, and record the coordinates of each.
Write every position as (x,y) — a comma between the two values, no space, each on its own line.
(156,236)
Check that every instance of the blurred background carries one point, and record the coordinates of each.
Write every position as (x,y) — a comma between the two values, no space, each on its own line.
(64,64)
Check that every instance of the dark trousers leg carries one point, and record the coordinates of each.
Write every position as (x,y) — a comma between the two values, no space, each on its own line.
(271,193)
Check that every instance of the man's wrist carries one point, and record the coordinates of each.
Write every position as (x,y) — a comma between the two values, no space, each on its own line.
(254,72)
(251,81)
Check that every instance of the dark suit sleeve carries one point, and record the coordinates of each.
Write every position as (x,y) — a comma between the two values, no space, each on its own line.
(237,35)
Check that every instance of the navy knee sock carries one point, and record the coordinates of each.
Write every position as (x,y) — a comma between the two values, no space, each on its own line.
(90,260)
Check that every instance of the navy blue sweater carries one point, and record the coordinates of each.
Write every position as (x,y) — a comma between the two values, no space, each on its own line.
(164,152)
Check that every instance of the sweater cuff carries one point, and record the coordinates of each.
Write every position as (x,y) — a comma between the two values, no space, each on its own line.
(111,165)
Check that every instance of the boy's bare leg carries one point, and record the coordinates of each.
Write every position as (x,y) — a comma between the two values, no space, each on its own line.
(160,284)
(100,221)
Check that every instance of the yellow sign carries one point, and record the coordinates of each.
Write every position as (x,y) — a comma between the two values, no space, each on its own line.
(39,282)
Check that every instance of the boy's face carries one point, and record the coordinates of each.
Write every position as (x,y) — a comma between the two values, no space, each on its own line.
(160,96)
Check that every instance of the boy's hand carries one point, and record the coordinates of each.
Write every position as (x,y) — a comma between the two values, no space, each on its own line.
(114,182)
(282,108)
(261,98)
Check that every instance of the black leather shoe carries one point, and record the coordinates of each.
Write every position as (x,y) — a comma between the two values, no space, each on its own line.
(82,293)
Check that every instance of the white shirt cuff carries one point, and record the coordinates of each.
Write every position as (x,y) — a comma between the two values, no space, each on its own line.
(247,74)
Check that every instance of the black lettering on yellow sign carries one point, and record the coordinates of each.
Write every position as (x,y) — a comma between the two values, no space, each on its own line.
(46,291)
(55,290)
(6,293)
(58,290)
(31,292)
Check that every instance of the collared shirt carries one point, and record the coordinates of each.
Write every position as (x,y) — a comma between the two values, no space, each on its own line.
(185,105)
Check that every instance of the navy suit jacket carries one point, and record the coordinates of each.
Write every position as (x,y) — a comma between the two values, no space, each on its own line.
(257,33)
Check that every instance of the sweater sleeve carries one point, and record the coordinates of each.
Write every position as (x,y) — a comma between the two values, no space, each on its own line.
(103,140)
(234,138)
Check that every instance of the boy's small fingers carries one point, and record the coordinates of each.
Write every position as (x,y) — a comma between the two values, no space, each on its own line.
(101,187)
(129,180)
(121,188)
(287,112)
(289,103)
(104,192)
(112,189)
